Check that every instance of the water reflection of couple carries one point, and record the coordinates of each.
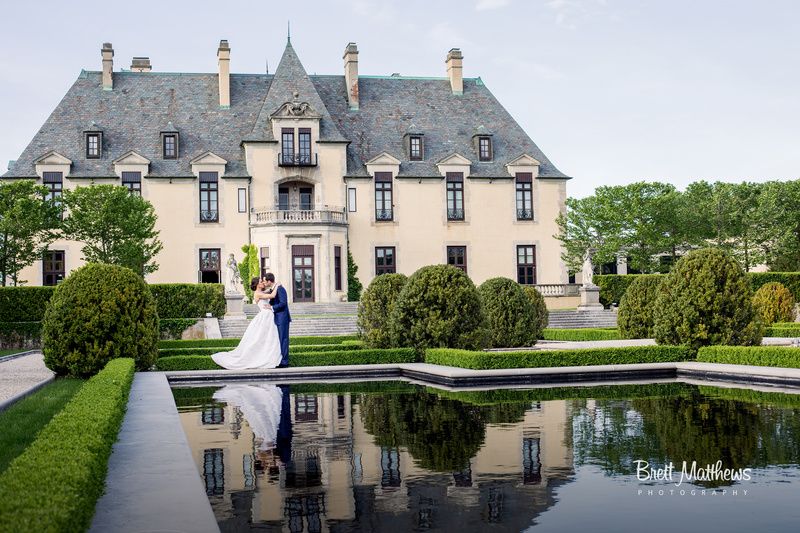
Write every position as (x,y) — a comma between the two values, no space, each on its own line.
(267,410)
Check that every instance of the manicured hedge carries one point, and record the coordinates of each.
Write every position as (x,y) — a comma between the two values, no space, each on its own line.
(293,341)
(20,335)
(613,286)
(24,304)
(189,300)
(311,348)
(54,485)
(543,358)
(581,334)
(351,357)
(780,356)
(775,331)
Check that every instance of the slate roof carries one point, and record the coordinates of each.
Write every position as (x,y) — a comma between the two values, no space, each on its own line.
(142,104)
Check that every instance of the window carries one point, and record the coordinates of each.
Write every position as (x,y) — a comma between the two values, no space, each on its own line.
(53,269)
(455,196)
(531,463)
(351,200)
(415,148)
(304,146)
(264,260)
(213,415)
(390,467)
(214,472)
(337,268)
(242,200)
(287,146)
(306,198)
(283,198)
(209,197)
(385,260)
(526,265)
(170,145)
(209,265)
(457,256)
(383,196)
(54,182)
(133,181)
(305,408)
(525,196)
(94,142)
(485,148)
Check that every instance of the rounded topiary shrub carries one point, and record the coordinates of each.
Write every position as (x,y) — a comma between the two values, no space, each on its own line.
(706,299)
(635,317)
(774,303)
(376,306)
(509,313)
(541,316)
(100,312)
(439,307)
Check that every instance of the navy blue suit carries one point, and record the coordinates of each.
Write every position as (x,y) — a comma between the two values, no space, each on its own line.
(280,306)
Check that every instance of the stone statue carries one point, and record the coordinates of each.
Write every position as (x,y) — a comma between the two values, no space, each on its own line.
(233,281)
(587,273)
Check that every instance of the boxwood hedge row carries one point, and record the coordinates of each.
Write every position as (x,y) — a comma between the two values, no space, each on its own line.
(221,343)
(343,357)
(311,348)
(779,356)
(581,334)
(556,358)
(55,483)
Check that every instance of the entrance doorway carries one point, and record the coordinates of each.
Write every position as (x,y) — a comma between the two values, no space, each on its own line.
(303,273)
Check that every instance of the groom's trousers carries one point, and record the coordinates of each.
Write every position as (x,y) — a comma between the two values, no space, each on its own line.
(282,322)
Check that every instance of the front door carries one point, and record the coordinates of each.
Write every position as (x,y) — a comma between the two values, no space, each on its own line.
(303,273)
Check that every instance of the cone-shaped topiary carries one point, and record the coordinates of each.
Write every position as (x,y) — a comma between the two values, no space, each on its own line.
(706,299)
(509,312)
(100,312)
(541,316)
(439,307)
(635,317)
(774,303)
(376,306)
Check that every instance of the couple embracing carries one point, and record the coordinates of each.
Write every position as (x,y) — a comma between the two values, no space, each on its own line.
(265,343)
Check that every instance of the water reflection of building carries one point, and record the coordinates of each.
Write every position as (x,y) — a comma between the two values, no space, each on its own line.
(338,475)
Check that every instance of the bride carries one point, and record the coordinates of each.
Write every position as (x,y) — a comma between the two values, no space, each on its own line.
(260,345)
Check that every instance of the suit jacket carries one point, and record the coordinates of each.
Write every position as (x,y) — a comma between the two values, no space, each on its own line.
(280,305)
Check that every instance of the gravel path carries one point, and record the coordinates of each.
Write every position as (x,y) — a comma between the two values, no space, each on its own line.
(20,374)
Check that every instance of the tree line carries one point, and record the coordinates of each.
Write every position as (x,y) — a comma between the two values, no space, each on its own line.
(652,224)
(114,226)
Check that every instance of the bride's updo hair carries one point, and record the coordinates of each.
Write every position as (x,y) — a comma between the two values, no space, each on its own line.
(254,283)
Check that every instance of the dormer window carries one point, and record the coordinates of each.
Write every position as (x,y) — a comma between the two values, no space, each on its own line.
(485,148)
(415,148)
(169,143)
(94,145)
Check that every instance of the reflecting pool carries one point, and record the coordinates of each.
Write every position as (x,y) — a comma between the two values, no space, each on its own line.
(392,456)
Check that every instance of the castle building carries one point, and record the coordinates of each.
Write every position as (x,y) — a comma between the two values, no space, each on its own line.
(406,171)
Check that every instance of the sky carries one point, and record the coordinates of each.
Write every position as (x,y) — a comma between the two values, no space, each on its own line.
(613,91)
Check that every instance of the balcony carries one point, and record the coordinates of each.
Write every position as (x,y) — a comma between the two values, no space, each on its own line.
(324,216)
(524,214)
(209,215)
(297,160)
(455,214)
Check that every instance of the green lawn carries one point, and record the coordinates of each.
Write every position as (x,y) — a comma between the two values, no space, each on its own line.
(20,423)
(4,353)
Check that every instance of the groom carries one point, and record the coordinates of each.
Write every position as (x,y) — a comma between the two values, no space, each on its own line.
(280,306)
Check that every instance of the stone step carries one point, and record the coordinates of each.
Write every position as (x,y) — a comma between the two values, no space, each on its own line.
(297,310)
(582,319)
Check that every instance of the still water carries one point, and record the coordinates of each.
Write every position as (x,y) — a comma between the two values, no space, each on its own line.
(391,456)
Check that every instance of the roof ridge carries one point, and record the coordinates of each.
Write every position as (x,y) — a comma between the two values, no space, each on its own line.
(291,78)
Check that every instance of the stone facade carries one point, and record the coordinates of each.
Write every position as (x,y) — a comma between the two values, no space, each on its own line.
(407,171)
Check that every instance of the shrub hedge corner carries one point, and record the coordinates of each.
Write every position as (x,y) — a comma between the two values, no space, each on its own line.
(778,356)
(55,483)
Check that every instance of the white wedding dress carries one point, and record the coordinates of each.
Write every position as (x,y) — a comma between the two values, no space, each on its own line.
(260,346)
(261,407)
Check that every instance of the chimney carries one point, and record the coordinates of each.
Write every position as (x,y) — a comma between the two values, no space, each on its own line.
(224,62)
(108,66)
(351,74)
(141,64)
(454,62)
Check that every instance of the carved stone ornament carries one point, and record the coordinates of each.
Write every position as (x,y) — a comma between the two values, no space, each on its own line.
(296,108)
